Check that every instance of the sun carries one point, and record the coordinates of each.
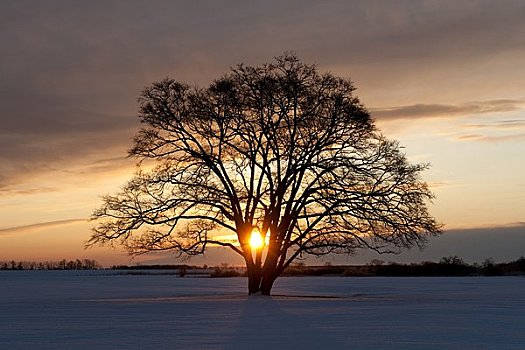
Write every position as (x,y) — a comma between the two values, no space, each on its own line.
(256,240)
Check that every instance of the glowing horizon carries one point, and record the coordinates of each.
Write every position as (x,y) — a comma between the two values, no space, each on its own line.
(73,72)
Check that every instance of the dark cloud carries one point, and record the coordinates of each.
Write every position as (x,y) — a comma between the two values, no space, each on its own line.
(499,243)
(447,111)
(80,154)
(72,70)
(502,244)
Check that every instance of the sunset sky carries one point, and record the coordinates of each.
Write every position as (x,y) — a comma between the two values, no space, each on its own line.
(445,78)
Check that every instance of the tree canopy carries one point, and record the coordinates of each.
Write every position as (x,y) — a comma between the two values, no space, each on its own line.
(280,148)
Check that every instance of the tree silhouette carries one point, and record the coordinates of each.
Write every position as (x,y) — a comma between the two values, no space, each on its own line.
(279,148)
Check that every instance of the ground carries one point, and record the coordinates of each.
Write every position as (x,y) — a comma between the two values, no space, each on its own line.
(110,310)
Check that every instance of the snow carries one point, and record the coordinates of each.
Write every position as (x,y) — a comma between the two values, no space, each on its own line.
(111,310)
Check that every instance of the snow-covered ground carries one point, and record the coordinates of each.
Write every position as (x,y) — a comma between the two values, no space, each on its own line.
(104,310)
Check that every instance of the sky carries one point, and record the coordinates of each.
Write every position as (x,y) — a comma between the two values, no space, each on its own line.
(445,78)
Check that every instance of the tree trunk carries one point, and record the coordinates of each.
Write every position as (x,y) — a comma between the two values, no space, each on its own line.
(254,278)
(260,283)
(267,283)
(254,282)
(261,278)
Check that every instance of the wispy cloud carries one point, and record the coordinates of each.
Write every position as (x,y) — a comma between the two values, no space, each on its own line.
(502,124)
(17,230)
(491,138)
(443,183)
(448,111)
(491,130)
(27,191)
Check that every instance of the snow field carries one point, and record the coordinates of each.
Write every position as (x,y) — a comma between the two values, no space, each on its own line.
(111,310)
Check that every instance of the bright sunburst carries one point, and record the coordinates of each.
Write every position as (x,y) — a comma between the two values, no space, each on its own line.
(256,240)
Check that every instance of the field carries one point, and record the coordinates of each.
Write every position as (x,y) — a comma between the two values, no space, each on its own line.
(115,310)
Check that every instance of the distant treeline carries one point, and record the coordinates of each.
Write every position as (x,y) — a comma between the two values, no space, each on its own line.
(224,270)
(447,266)
(77,264)
(156,267)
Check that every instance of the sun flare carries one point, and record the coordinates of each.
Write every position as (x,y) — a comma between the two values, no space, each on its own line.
(256,240)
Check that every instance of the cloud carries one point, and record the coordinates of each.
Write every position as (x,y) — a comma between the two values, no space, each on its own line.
(26,191)
(443,183)
(18,230)
(493,131)
(82,153)
(71,71)
(488,138)
(449,111)
(517,124)
(502,243)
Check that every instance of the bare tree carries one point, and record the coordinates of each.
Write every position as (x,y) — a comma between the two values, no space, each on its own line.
(280,149)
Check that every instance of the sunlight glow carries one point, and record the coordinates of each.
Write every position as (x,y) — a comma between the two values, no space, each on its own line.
(256,240)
